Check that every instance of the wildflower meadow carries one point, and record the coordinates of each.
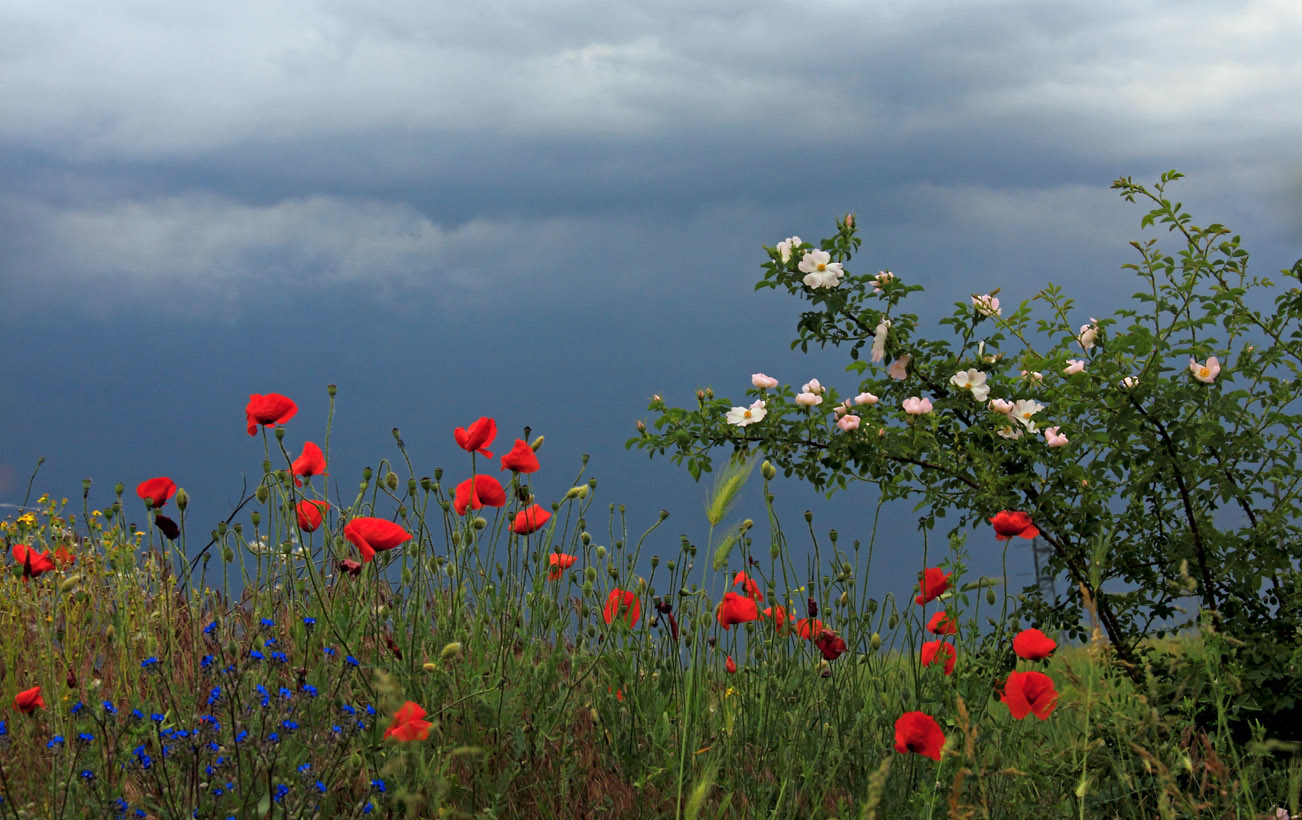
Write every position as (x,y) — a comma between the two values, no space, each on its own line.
(440,642)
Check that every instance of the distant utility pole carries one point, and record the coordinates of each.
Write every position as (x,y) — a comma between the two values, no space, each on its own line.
(1044,578)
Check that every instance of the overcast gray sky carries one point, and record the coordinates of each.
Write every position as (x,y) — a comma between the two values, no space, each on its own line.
(546,211)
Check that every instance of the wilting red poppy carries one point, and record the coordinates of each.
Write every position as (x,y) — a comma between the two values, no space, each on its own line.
(311,463)
(64,558)
(478,437)
(29,700)
(478,492)
(407,723)
(830,644)
(942,624)
(71,679)
(736,609)
(521,459)
(931,649)
(34,563)
(156,490)
(1009,523)
(1026,692)
(918,732)
(310,514)
(1033,645)
(809,628)
(559,562)
(778,614)
(729,665)
(932,584)
(393,646)
(350,566)
(748,584)
(371,535)
(167,527)
(529,520)
(272,408)
(622,601)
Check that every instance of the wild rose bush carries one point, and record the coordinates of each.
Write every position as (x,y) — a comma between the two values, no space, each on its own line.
(1154,450)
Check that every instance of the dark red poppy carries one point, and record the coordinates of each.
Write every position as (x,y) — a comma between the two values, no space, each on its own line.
(809,628)
(167,527)
(777,614)
(529,520)
(729,665)
(371,535)
(932,649)
(483,490)
(942,624)
(751,588)
(29,700)
(156,490)
(350,566)
(393,646)
(559,562)
(310,514)
(34,563)
(71,679)
(272,408)
(408,723)
(830,644)
(311,463)
(521,459)
(622,601)
(933,583)
(1027,692)
(1009,523)
(1033,645)
(478,437)
(736,609)
(919,733)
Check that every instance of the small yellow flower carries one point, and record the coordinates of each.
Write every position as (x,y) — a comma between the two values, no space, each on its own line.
(27,518)
(730,692)
(44,498)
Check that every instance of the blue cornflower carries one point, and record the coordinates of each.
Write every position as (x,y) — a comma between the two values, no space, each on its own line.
(309,622)
(348,708)
(4,728)
(274,737)
(320,787)
(85,738)
(330,651)
(337,729)
(281,791)
(210,628)
(255,654)
(158,717)
(351,661)
(242,736)
(368,808)
(121,806)
(310,689)
(149,664)
(289,725)
(55,743)
(214,695)
(269,642)
(285,693)
(268,623)
(207,661)
(110,708)
(136,714)
(77,707)
(280,656)
(370,710)
(379,785)
(304,767)
(87,774)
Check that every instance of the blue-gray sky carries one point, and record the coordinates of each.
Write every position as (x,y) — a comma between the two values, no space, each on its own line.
(545,212)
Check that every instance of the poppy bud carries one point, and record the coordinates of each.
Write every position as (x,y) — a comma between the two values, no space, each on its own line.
(871,606)
(451,651)
(587,585)
(228,554)
(537,443)
(266,467)
(118,488)
(601,553)
(875,642)
(845,599)
(990,596)
(582,492)
(411,487)
(670,565)
(768,470)
(892,621)
(256,518)
(590,573)
(826,671)
(261,493)
(586,538)
(592,482)
(221,528)
(182,500)
(429,667)
(480,523)
(366,474)
(747,524)
(391,481)
(664,514)
(774,550)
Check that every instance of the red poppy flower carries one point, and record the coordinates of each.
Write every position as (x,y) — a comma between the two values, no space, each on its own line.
(931,649)
(932,584)
(778,614)
(918,732)
(1033,645)
(618,693)
(272,408)
(736,609)
(1026,692)
(729,665)
(622,601)
(407,723)
(29,700)
(64,558)
(34,563)
(167,527)
(830,644)
(371,535)
(521,458)
(156,490)
(559,563)
(1009,523)
(477,492)
(311,463)
(310,514)
(942,624)
(350,566)
(530,520)
(809,628)
(748,584)
(478,437)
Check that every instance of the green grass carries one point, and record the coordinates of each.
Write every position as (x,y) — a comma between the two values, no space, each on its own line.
(539,708)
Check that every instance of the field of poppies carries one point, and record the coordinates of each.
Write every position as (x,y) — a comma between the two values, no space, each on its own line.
(477,652)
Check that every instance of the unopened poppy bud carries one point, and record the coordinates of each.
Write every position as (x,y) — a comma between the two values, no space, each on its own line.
(747,524)
(601,552)
(592,482)
(266,467)
(221,527)
(69,582)
(774,550)
(256,518)
(871,606)
(391,481)
(182,500)
(1014,624)
(875,642)
(429,667)
(768,470)
(587,585)
(892,621)
(586,538)
(411,487)
(845,599)
(590,573)
(670,565)
(280,433)
(990,596)
(537,443)
(451,651)
(261,493)
(366,474)
(480,523)
(228,554)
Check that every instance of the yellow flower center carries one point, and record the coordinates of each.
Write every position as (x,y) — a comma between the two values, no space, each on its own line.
(745,414)
(821,266)
(1204,372)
